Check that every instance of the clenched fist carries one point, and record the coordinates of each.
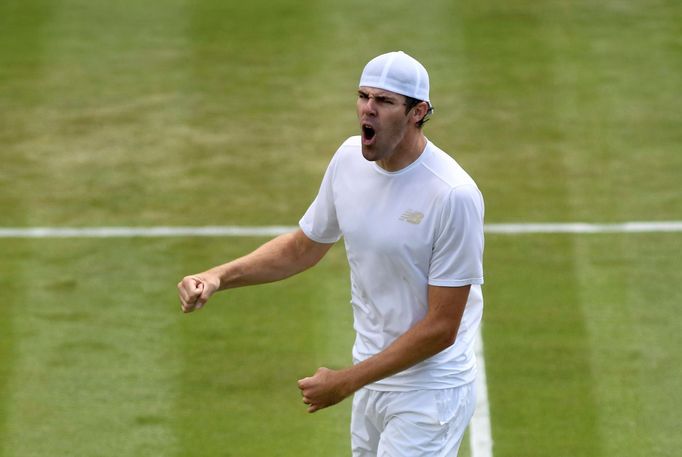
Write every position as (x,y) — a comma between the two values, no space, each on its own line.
(325,388)
(195,290)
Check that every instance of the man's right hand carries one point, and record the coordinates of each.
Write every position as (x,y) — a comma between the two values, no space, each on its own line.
(195,290)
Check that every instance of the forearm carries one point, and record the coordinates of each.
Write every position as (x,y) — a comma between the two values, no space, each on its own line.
(436,332)
(422,341)
(277,259)
(328,387)
(425,339)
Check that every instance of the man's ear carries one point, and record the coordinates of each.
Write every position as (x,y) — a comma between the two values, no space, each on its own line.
(420,111)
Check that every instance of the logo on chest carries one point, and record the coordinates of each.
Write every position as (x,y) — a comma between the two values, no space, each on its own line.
(413,217)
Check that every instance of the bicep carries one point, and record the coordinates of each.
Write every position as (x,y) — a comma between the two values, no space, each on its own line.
(309,250)
(446,307)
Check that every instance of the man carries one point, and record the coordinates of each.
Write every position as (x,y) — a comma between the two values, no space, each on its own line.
(412,223)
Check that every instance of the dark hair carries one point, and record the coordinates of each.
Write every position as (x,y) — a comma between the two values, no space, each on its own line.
(411,103)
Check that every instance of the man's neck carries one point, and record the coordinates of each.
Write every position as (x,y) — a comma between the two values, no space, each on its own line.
(406,153)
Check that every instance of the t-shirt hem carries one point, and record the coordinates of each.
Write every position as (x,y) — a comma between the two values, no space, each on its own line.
(410,387)
(455,282)
(327,240)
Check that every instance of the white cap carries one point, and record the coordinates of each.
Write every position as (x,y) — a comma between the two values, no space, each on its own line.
(397,72)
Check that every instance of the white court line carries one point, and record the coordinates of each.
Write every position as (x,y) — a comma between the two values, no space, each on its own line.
(581,227)
(480,433)
(152,232)
(233,230)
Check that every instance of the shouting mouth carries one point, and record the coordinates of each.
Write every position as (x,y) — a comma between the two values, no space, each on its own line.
(368,134)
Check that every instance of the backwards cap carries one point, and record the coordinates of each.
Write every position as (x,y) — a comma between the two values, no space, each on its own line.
(397,72)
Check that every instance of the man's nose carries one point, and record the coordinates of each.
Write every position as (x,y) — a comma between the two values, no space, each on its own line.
(369,106)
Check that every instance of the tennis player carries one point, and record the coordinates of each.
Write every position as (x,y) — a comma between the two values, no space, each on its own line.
(412,223)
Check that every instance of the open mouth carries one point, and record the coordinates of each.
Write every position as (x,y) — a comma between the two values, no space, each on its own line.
(368,133)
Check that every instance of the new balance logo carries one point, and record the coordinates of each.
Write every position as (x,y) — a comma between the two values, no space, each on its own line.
(413,217)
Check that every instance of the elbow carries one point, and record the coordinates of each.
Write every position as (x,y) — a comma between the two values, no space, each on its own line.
(445,337)
(449,339)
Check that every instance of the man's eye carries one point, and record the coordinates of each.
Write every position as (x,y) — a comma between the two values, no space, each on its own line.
(363,96)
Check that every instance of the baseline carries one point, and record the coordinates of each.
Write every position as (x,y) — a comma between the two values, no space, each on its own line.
(274,230)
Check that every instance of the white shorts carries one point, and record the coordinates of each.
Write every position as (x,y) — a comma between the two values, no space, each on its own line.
(420,423)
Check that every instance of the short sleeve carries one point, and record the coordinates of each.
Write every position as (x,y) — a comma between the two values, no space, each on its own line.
(319,222)
(457,258)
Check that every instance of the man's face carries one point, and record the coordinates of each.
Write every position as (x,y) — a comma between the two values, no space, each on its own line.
(383,122)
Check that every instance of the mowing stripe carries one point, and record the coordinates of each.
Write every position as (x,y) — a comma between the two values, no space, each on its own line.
(233,230)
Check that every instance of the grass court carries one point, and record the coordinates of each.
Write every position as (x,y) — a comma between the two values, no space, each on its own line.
(207,112)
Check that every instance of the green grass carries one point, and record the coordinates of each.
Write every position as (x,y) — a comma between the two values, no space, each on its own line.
(208,112)
(537,351)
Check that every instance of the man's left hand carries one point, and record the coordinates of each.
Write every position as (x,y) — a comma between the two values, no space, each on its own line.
(325,388)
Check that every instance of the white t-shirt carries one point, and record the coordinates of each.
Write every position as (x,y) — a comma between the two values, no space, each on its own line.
(403,231)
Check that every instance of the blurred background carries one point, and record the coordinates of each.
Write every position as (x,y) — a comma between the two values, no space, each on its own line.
(207,112)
